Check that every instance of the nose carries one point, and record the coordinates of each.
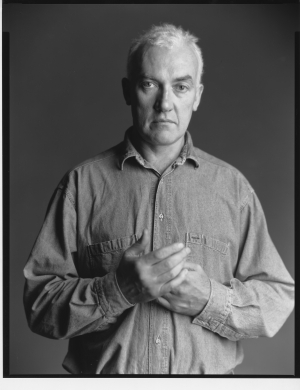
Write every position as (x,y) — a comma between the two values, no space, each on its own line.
(164,102)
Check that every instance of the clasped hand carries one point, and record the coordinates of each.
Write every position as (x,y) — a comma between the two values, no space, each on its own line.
(163,275)
(190,296)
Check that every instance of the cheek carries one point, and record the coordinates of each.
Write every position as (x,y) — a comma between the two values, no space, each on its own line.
(143,100)
(143,109)
(186,111)
(142,113)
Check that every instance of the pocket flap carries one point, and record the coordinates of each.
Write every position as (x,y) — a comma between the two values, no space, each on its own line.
(113,245)
(210,242)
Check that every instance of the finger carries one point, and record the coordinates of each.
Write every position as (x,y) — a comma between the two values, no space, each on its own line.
(171,274)
(166,251)
(141,245)
(169,296)
(191,266)
(167,265)
(163,302)
(172,284)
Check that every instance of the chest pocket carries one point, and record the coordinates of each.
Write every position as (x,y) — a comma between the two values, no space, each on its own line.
(105,256)
(210,253)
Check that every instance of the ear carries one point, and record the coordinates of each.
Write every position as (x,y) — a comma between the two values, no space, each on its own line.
(198,96)
(126,91)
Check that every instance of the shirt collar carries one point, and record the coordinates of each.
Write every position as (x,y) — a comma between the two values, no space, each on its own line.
(128,150)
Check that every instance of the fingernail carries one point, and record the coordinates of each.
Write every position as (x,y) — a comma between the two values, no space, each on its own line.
(180,245)
(188,250)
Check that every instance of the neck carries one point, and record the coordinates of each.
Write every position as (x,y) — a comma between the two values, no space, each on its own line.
(159,156)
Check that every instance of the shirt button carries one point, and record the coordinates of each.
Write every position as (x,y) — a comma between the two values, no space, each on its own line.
(161,216)
(157,341)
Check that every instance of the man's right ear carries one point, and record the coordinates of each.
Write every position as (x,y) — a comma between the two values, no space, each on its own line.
(126,91)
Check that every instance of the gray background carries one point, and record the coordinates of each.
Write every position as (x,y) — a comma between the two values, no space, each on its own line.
(66,105)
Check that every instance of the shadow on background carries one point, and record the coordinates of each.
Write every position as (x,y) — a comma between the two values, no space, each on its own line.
(66,105)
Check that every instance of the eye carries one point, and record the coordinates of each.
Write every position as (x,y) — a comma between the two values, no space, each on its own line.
(147,84)
(181,87)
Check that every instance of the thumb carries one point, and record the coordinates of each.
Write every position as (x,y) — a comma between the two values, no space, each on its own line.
(141,245)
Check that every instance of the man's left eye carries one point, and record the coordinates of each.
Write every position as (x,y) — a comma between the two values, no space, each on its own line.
(181,88)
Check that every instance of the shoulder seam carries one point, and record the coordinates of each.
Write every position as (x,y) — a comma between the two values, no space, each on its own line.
(91,162)
(226,165)
(70,197)
(68,194)
(245,201)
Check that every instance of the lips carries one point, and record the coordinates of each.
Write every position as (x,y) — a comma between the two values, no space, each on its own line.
(163,121)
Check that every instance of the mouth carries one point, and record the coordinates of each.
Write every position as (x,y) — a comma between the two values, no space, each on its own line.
(164,121)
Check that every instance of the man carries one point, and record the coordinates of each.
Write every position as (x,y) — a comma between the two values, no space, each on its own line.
(154,257)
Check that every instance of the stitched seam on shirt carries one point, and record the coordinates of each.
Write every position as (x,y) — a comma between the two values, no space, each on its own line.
(123,248)
(228,304)
(209,303)
(89,253)
(120,291)
(97,293)
(69,196)
(101,293)
(113,250)
(226,314)
(215,249)
(244,202)
(231,331)
(94,161)
(231,169)
(223,317)
(98,298)
(223,251)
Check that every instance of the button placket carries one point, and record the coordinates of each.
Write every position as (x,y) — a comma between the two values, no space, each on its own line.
(156,340)
(161,215)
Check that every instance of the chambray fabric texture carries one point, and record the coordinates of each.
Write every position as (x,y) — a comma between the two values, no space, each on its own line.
(99,209)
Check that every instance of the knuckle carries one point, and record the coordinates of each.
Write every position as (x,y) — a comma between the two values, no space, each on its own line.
(143,278)
(177,258)
(125,256)
(158,254)
(146,280)
(151,290)
(167,264)
(138,267)
(173,273)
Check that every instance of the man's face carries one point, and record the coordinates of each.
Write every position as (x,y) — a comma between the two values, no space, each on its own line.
(163,93)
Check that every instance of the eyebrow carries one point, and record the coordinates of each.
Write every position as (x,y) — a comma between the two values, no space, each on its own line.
(184,78)
(178,79)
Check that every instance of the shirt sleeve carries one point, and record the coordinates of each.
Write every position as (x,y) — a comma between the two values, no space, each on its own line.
(58,303)
(260,297)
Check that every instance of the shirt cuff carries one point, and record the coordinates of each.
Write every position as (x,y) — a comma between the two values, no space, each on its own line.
(110,297)
(217,308)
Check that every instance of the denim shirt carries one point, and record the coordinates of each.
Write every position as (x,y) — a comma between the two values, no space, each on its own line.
(99,209)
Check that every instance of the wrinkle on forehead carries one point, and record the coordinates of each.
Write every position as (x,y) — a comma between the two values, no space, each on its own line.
(169,63)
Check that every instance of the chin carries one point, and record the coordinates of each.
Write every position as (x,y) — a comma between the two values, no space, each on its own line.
(162,137)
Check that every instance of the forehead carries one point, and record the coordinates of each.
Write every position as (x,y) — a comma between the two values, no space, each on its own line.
(177,61)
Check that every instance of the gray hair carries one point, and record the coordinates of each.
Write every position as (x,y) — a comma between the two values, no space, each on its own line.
(164,35)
